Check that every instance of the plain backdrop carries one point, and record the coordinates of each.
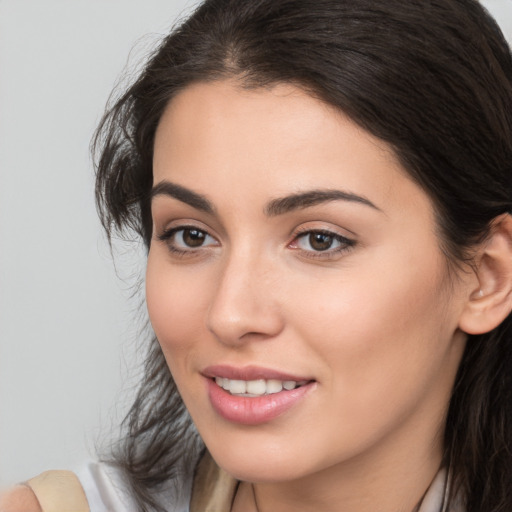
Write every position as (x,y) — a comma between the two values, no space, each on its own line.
(68,327)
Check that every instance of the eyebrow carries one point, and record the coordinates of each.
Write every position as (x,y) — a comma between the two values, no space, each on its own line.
(185,195)
(274,208)
(301,200)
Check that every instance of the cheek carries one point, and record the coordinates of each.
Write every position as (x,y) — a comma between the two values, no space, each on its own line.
(176,304)
(384,335)
(357,306)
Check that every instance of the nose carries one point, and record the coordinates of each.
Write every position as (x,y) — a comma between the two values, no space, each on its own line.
(245,305)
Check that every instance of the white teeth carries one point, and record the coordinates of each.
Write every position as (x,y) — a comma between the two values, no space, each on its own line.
(238,387)
(258,387)
(274,386)
(223,383)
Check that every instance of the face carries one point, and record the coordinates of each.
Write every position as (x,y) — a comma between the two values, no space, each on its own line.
(296,285)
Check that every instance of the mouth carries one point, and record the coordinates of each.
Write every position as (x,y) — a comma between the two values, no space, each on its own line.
(254,395)
(258,387)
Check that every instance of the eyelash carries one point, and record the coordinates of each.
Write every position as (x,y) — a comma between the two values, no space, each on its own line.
(168,234)
(345,244)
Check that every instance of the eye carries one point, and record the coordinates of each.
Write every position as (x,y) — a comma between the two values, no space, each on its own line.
(317,241)
(191,237)
(321,243)
(186,239)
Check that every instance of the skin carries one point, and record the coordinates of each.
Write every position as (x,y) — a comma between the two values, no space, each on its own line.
(19,499)
(376,325)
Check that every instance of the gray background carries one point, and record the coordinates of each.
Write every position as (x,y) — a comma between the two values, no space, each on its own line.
(67,325)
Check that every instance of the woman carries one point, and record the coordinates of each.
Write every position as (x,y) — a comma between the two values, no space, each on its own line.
(324,188)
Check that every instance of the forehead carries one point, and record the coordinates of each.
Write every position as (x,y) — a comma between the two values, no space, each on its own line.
(218,137)
(222,114)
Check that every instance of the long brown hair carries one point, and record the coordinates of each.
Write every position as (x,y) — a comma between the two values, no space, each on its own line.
(433,79)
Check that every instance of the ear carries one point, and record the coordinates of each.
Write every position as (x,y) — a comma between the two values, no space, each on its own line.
(490,299)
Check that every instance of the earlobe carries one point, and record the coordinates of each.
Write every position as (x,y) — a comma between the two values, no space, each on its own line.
(490,301)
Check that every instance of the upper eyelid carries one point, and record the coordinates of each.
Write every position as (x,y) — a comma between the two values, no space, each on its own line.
(334,234)
(166,232)
(336,231)
(332,231)
(183,223)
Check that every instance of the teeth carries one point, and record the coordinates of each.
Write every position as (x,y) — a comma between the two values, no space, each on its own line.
(258,387)
(238,387)
(274,386)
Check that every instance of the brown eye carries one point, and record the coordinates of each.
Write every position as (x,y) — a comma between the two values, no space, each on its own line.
(193,237)
(187,239)
(320,241)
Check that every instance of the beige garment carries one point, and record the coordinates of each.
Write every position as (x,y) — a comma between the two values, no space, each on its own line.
(213,489)
(59,491)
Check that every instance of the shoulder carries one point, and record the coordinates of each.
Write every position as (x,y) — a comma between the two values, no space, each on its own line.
(105,487)
(20,498)
(58,491)
(108,488)
(93,487)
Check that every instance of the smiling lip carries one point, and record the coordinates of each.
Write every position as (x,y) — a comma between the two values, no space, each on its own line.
(250,373)
(253,410)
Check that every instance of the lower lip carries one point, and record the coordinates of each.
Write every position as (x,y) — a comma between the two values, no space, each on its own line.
(254,410)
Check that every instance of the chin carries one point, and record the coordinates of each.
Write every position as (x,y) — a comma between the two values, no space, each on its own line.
(268,472)
(260,464)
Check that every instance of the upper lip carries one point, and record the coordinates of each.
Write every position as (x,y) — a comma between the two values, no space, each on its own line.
(250,373)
